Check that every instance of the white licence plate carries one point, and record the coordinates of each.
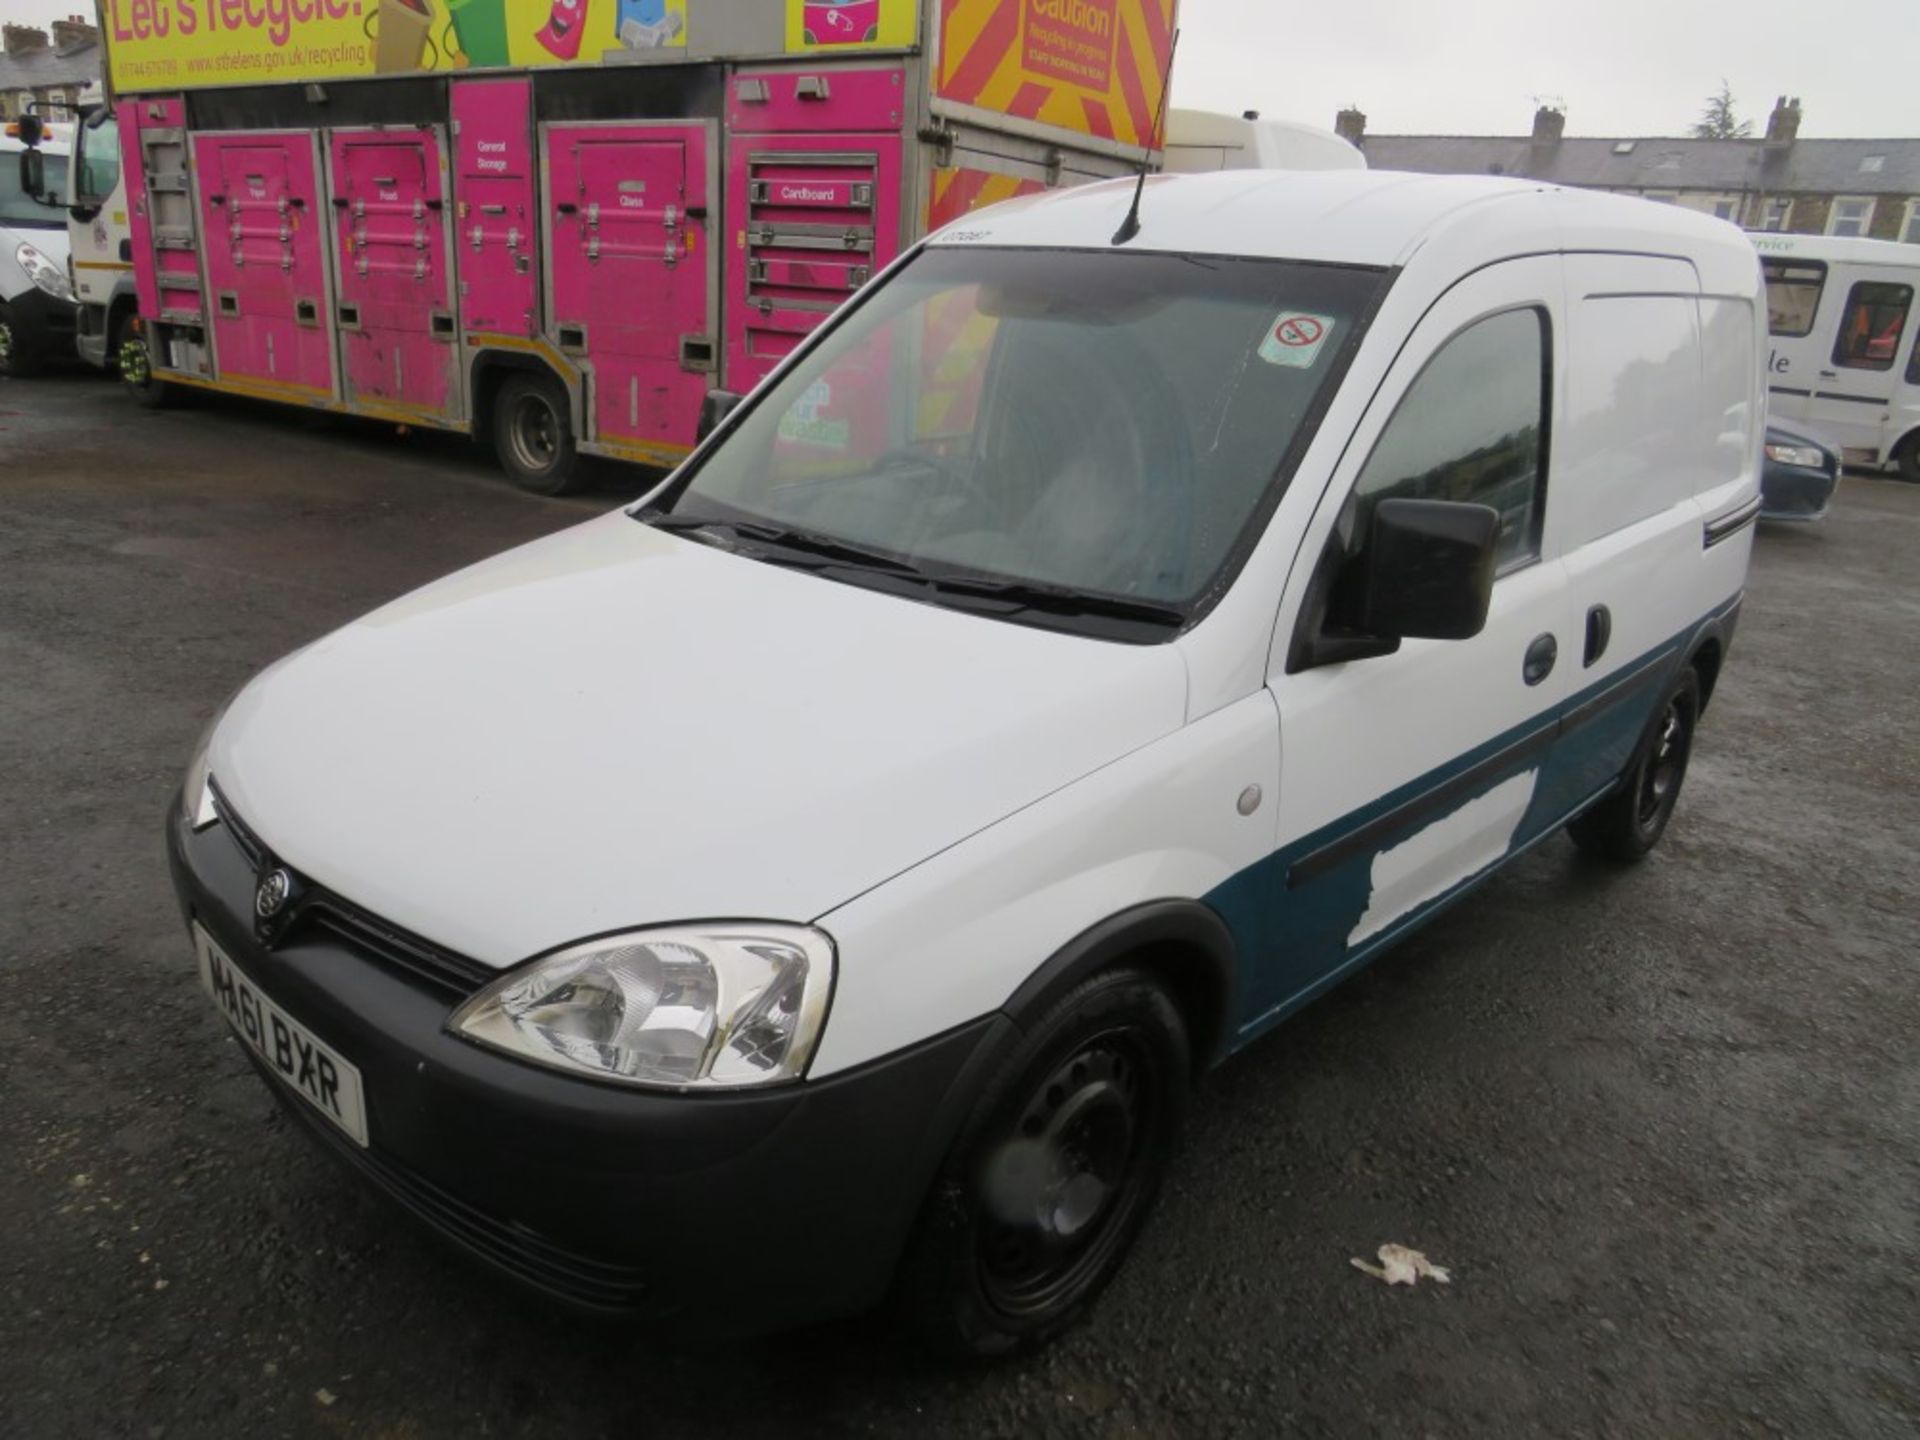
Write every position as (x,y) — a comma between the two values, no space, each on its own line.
(315,1071)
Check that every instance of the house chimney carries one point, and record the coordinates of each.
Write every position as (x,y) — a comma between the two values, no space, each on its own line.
(1351,126)
(19,39)
(73,32)
(1549,125)
(1783,125)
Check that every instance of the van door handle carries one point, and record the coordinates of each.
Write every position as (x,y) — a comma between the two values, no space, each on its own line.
(1829,375)
(1599,632)
(1540,657)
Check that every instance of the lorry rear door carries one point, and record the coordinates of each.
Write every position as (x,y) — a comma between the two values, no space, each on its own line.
(630,273)
(395,312)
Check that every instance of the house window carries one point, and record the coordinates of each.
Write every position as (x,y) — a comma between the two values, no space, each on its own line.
(1850,215)
(1910,227)
(1778,215)
(1725,207)
(1872,164)
(1662,197)
(1870,330)
(1793,294)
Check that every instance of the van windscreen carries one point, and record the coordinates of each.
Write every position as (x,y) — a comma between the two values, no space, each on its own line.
(1102,424)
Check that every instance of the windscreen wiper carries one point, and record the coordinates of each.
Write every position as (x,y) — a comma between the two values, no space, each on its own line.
(1059,599)
(784,538)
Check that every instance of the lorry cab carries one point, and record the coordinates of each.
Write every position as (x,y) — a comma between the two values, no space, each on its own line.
(856,847)
(36,290)
(1844,357)
(98,234)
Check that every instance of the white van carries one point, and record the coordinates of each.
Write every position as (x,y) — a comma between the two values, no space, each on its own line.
(36,290)
(1201,141)
(1845,356)
(825,877)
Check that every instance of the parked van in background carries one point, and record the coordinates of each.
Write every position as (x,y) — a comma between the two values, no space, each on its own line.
(1199,141)
(825,877)
(1845,357)
(36,292)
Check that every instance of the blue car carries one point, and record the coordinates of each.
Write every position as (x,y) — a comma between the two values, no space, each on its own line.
(1799,476)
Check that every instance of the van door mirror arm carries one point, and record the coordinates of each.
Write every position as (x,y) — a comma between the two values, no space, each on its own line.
(1329,632)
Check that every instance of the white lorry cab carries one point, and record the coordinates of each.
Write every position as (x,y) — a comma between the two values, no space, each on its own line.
(98,234)
(823,878)
(1844,357)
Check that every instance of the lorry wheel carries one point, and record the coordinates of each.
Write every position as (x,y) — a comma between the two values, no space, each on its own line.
(1053,1174)
(1629,822)
(14,362)
(136,370)
(533,435)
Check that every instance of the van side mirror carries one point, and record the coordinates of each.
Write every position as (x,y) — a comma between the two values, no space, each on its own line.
(716,407)
(31,129)
(33,173)
(1428,570)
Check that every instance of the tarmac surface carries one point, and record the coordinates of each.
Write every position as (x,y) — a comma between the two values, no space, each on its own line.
(1662,1125)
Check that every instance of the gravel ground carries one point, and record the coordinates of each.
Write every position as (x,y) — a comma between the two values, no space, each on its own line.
(1664,1126)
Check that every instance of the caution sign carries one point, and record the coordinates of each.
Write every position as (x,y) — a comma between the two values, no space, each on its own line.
(1296,339)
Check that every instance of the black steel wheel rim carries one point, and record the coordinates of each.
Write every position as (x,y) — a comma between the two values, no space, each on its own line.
(1660,777)
(1061,1192)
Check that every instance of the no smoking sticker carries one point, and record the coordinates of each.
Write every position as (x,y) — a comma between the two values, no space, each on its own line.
(1296,338)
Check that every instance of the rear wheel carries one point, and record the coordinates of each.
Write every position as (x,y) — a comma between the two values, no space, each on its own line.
(1629,822)
(1910,460)
(533,435)
(1054,1173)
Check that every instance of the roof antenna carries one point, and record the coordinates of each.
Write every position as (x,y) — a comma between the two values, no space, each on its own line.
(1130,226)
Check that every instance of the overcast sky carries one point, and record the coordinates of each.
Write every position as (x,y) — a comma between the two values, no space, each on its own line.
(1474,67)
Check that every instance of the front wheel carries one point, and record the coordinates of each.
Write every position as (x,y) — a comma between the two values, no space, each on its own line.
(1629,822)
(533,435)
(1054,1173)
(14,362)
(136,372)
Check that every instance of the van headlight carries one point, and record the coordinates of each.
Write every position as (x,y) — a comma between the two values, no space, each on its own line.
(679,1007)
(43,272)
(196,791)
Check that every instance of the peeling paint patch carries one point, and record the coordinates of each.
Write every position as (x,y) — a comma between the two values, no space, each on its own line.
(1432,861)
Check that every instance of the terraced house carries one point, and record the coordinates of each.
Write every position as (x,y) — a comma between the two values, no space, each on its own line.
(1776,182)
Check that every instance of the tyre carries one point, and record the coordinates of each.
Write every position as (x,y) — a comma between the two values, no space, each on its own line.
(1910,460)
(14,361)
(533,435)
(1053,1173)
(1629,822)
(136,373)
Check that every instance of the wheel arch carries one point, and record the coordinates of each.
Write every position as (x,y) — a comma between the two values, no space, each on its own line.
(1706,650)
(491,368)
(1181,943)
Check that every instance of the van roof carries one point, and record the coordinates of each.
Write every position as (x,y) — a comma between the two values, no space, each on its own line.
(1357,217)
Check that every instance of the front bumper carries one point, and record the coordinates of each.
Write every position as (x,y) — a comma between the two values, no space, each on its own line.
(1795,492)
(43,325)
(732,1213)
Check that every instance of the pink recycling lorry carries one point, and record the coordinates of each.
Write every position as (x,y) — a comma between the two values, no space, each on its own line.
(559,223)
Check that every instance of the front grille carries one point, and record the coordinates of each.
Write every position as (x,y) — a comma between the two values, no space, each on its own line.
(529,1257)
(360,930)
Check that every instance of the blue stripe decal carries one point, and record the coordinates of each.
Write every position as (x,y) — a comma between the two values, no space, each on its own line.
(1293,939)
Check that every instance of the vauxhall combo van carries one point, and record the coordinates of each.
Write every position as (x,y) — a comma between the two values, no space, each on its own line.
(820,883)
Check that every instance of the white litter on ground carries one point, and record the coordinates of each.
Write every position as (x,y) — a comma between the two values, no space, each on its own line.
(1401,1266)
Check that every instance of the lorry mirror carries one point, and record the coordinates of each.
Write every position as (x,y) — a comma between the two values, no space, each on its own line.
(33,173)
(1428,569)
(715,408)
(30,128)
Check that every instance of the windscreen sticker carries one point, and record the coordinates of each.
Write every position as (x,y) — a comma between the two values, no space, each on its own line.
(1296,339)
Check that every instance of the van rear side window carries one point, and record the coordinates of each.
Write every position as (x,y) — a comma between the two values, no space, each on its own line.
(1793,295)
(1870,331)
(1472,428)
